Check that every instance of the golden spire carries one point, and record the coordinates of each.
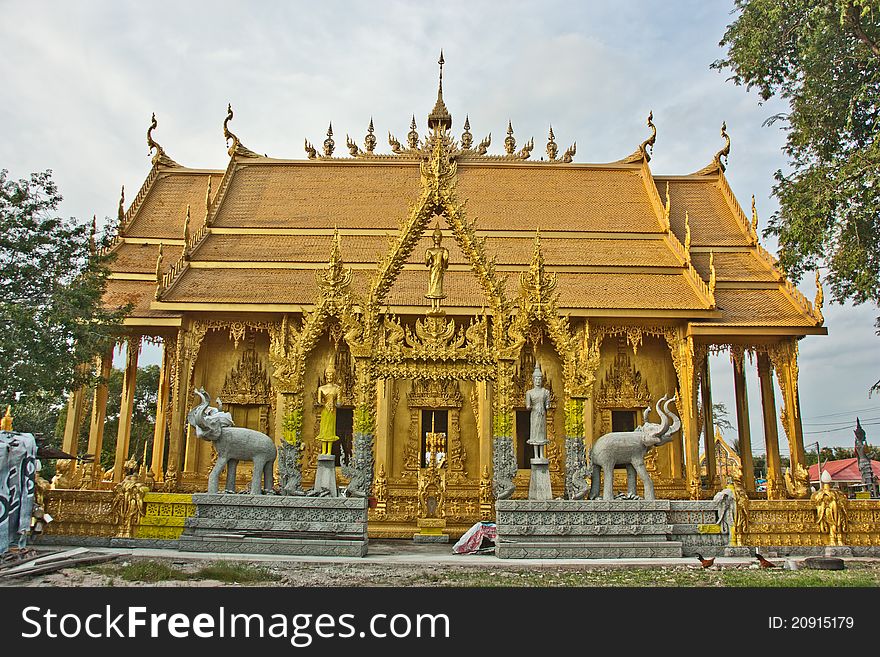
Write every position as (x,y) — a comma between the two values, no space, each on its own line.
(820,297)
(120,212)
(467,139)
(509,142)
(440,118)
(161,157)
(6,422)
(334,277)
(370,139)
(552,148)
(329,144)
(712,276)
(650,140)
(724,152)
(754,220)
(687,233)
(412,138)
(537,284)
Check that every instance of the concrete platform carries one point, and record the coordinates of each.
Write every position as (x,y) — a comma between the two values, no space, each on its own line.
(267,524)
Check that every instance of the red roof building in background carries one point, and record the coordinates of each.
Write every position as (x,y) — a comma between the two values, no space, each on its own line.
(844,471)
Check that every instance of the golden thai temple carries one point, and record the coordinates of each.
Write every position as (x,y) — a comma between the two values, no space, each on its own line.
(426,280)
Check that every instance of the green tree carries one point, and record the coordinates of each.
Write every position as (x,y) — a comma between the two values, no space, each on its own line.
(823,58)
(52,278)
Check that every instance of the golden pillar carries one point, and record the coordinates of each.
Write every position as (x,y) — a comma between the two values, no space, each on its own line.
(70,442)
(742,421)
(126,406)
(589,430)
(99,414)
(683,357)
(484,424)
(785,363)
(775,488)
(384,413)
(179,395)
(708,420)
(162,410)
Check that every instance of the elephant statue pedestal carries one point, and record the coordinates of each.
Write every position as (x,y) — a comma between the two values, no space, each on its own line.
(325,475)
(539,481)
(595,529)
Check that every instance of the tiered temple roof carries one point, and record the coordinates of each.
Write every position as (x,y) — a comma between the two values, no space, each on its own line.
(622,241)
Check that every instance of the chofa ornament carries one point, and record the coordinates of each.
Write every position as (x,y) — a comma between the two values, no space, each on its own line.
(629,448)
(233,444)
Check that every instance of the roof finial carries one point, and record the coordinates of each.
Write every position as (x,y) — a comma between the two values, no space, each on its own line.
(509,142)
(329,144)
(552,148)
(412,137)
(160,157)
(440,118)
(120,212)
(820,297)
(227,133)
(467,139)
(370,139)
(650,140)
(724,152)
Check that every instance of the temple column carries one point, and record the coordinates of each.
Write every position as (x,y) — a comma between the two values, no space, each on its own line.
(484,424)
(180,392)
(708,420)
(742,421)
(775,488)
(683,357)
(70,442)
(384,412)
(99,414)
(589,431)
(162,411)
(126,406)
(784,362)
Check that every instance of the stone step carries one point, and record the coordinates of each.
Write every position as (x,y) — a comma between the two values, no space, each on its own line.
(284,525)
(295,547)
(581,550)
(574,529)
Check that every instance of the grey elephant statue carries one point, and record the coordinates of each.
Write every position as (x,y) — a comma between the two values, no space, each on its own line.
(629,448)
(233,444)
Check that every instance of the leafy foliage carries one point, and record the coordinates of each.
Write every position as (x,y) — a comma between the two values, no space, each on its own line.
(51,284)
(823,57)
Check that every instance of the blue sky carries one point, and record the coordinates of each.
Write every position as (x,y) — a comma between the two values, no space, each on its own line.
(81,79)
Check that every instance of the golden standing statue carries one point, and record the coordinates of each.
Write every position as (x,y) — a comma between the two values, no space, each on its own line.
(437,260)
(328,397)
(830,511)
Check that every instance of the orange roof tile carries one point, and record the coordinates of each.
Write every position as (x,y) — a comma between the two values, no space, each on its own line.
(163,209)
(526,197)
(734,267)
(711,219)
(319,195)
(139,293)
(758,308)
(141,258)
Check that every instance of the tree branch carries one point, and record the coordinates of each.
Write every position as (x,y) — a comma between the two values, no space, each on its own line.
(853,16)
